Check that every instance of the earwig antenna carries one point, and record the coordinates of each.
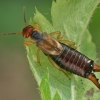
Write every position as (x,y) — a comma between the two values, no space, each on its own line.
(10,33)
(24,11)
(7,34)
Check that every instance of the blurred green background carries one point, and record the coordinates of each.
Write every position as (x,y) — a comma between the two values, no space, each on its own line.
(16,79)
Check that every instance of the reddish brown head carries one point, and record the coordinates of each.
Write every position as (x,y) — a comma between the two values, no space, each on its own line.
(27,31)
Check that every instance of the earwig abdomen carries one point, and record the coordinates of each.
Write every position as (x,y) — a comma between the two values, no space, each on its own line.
(73,61)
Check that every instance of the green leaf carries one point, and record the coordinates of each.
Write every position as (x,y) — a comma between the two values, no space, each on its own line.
(56,97)
(70,17)
(45,89)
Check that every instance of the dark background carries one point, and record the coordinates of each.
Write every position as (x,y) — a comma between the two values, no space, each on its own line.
(16,79)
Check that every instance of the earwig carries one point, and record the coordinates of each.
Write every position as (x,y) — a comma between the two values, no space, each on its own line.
(60,55)
(64,56)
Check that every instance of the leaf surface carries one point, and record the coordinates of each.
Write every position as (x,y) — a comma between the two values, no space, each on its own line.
(70,17)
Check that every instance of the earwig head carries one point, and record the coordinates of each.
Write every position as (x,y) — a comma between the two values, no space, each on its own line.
(27,31)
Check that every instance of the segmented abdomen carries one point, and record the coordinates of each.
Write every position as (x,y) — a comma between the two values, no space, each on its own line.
(73,61)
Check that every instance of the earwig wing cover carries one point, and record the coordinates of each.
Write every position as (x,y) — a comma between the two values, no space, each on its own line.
(70,17)
(50,46)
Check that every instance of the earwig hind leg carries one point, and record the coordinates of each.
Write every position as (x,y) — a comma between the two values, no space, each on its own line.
(96,68)
(38,56)
(28,43)
(93,78)
(36,26)
(55,65)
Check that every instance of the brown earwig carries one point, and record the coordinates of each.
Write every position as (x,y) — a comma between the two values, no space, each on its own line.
(64,56)
(59,53)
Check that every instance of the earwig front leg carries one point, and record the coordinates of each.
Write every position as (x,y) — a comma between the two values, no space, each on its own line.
(55,65)
(36,26)
(28,43)
(93,78)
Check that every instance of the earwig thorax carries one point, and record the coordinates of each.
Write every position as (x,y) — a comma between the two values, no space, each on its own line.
(27,31)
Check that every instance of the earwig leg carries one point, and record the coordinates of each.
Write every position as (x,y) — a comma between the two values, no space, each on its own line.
(96,68)
(24,12)
(76,47)
(72,44)
(58,33)
(93,78)
(59,38)
(38,55)
(67,42)
(36,26)
(28,43)
(55,65)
